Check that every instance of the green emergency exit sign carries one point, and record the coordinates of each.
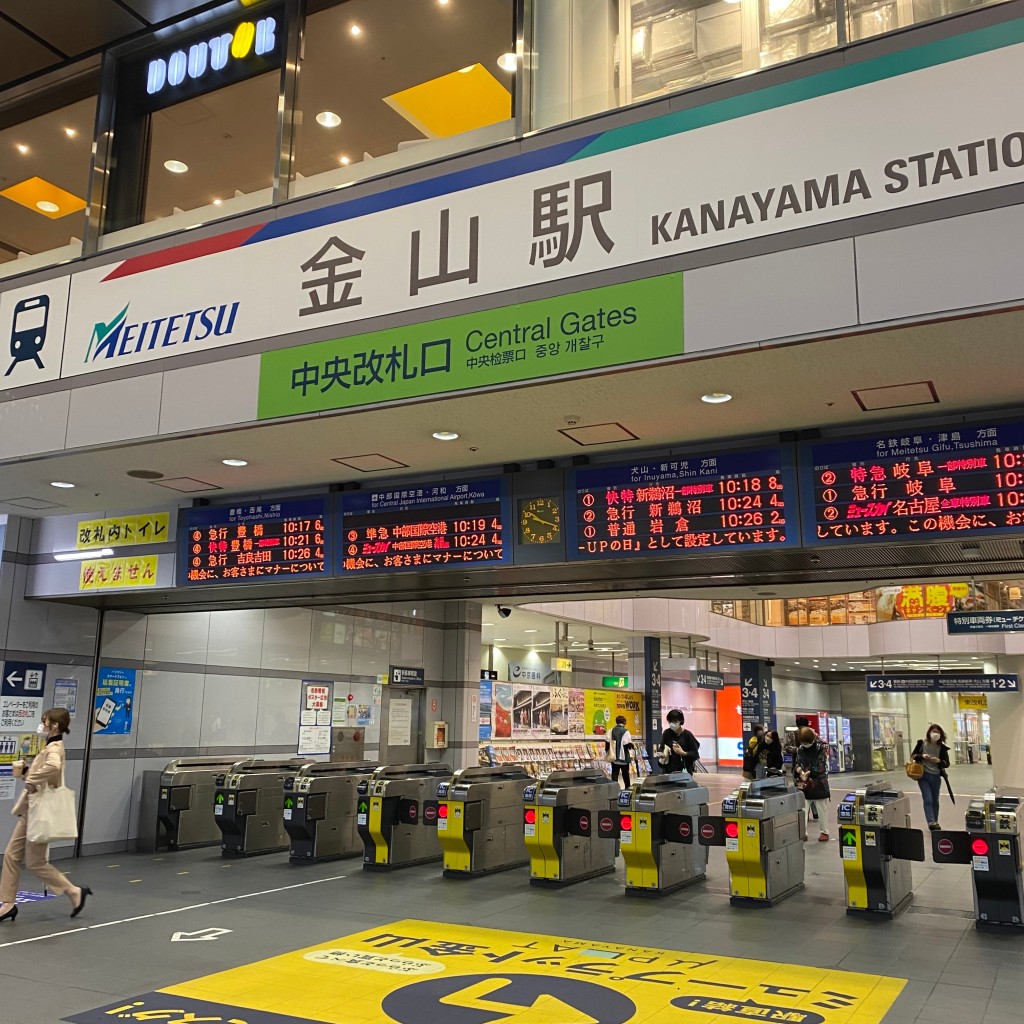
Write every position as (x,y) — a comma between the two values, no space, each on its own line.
(615,682)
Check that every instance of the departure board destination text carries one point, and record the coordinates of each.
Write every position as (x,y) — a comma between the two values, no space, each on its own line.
(281,539)
(955,482)
(425,527)
(707,502)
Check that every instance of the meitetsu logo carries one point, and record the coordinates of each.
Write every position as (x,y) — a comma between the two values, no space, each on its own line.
(121,338)
(248,39)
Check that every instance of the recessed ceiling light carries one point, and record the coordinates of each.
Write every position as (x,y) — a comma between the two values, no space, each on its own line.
(328,118)
(796,662)
(466,70)
(443,3)
(70,132)
(500,639)
(176,166)
(355,30)
(344,161)
(445,435)
(716,397)
(508,62)
(47,207)
(217,202)
(21,148)
(61,483)
(82,554)
(531,630)
(236,463)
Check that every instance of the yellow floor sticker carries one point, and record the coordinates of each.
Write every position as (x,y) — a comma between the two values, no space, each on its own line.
(419,972)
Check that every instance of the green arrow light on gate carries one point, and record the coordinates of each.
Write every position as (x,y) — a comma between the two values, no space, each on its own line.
(363,807)
(849,838)
(220,798)
(289,802)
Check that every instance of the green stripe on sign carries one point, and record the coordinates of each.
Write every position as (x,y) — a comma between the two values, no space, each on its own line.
(617,325)
(839,80)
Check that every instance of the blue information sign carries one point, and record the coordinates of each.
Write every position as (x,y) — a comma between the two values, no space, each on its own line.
(917,682)
(709,502)
(963,481)
(425,526)
(23,679)
(1011,621)
(703,679)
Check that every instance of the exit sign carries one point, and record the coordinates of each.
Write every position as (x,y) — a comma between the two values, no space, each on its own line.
(615,682)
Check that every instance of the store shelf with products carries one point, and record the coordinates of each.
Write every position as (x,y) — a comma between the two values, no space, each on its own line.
(541,756)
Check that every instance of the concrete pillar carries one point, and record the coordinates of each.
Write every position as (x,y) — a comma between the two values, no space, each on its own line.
(853,698)
(460,695)
(1006,718)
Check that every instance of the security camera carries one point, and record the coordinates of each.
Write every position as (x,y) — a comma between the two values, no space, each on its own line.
(503,610)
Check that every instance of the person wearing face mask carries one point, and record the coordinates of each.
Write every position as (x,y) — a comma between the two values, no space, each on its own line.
(679,745)
(47,769)
(933,754)
(810,772)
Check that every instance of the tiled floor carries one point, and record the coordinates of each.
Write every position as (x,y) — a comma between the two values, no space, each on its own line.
(51,967)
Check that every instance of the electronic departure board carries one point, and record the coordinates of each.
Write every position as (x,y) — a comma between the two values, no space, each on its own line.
(963,481)
(428,526)
(708,502)
(269,540)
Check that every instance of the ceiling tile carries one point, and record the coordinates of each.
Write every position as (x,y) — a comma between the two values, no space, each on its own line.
(155,11)
(74,26)
(186,484)
(599,433)
(896,396)
(22,54)
(370,463)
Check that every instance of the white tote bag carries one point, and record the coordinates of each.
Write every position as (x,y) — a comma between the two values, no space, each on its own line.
(52,815)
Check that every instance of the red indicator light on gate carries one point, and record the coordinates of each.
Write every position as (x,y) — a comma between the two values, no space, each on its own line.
(626,823)
(732,830)
(442,810)
(979,847)
(529,816)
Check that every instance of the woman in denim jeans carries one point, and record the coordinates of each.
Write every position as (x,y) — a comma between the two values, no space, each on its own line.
(933,754)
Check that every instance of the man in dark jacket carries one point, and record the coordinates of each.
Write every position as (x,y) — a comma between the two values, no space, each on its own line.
(682,746)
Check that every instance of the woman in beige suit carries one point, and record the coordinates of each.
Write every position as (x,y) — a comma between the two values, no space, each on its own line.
(47,770)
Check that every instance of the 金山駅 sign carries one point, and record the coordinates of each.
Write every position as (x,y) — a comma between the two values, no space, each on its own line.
(912,682)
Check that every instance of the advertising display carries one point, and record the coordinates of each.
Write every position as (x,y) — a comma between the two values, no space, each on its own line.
(425,527)
(270,540)
(602,707)
(729,722)
(920,485)
(486,708)
(708,502)
(115,697)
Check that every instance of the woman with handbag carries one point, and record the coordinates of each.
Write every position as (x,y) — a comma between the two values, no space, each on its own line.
(46,772)
(933,756)
(810,773)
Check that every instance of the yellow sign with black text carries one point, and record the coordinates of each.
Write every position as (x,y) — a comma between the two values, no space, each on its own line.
(419,972)
(602,707)
(123,531)
(119,573)
(973,702)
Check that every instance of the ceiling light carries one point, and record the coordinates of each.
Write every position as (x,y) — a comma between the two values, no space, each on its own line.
(328,118)
(531,630)
(445,435)
(77,556)
(61,483)
(487,623)
(500,639)
(47,207)
(217,202)
(21,148)
(344,161)
(70,132)
(508,62)
(443,3)
(716,397)
(466,70)
(355,29)
(236,463)
(176,166)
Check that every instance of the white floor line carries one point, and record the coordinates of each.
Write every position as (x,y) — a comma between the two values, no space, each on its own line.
(164,913)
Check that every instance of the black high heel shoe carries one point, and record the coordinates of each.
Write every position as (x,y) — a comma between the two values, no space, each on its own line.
(86,891)
(10,915)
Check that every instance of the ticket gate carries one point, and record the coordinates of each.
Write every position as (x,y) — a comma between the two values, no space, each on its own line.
(247,806)
(559,814)
(762,827)
(181,803)
(478,820)
(396,814)
(876,844)
(655,822)
(320,807)
(991,845)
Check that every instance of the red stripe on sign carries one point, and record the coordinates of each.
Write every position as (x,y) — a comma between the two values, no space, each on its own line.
(183,253)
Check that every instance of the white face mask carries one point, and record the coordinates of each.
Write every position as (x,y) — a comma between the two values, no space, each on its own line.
(42,730)
(806,746)
(676,727)
(934,737)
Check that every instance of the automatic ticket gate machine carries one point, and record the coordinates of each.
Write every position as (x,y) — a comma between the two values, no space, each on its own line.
(559,816)
(185,802)
(247,806)
(320,807)
(655,822)
(478,820)
(876,844)
(396,815)
(991,845)
(762,827)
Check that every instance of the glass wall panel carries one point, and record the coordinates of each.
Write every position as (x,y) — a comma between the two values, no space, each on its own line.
(868,18)
(44,179)
(385,84)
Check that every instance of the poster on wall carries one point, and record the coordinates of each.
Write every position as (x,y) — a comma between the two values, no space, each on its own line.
(541,719)
(115,697)
(502,717)
(316,714)
(522,710)
(65,695)
(729,717)
(559,711)
(602,707)
(486,708)
(577,711)
(399,722)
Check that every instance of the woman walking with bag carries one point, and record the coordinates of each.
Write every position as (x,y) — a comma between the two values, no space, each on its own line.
(47,770)
(933,755)
(810,771)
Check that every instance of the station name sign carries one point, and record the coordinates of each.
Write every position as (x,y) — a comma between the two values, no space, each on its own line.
(945,683)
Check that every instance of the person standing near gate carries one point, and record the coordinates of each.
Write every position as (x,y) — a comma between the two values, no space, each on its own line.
(618,749)
(933,755)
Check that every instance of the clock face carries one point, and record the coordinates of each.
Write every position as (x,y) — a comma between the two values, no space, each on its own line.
(540,521)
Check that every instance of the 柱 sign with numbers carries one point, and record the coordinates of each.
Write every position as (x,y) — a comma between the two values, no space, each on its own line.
(921,683)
